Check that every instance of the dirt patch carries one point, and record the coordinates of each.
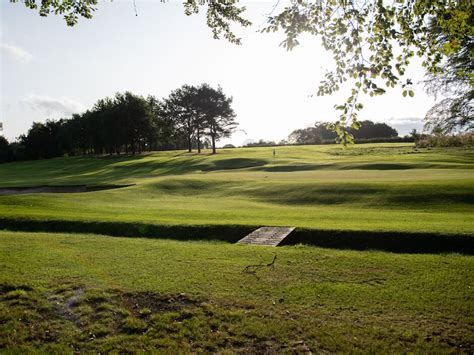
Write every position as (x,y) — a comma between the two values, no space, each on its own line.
(4,191)
(136,302)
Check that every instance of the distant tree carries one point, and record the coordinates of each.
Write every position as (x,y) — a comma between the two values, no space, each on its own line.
(131,123)
(452,114)
(219,115)
(180,107)
(261,143)
(4,146)
(454,79)
(83,127)
(105,126)
(228,146)
(135,120)
(320,133)
(41,141)
(162,133)
(369,129)
(201,110)
(325,132)
(308,135)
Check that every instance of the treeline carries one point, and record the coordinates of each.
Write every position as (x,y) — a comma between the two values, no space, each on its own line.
(192,117)
(369,132)
(319,134)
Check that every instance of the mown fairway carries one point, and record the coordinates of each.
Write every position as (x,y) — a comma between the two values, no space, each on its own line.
(67,293)
(96,293)
(384,187)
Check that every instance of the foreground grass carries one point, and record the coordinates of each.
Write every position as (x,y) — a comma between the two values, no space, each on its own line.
(380,187)
(68,293)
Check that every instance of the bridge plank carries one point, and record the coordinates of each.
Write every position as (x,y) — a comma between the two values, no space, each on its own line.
(267,236)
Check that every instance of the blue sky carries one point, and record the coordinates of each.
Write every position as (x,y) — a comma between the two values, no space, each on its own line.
(49,70)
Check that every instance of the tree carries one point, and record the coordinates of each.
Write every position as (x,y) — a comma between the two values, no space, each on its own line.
(135,120)
(105,129)
(219,14)
(161,136)
(308,135)
(456,111)
(179,106)
(369,129)
(3,149)
(219,115)
(372,42)
(313,135)
(321,134)
(452,114)
(41,141)
(201,110)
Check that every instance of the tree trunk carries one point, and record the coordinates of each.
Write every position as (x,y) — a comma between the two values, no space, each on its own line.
(190,144)
(199,140)
(213,138)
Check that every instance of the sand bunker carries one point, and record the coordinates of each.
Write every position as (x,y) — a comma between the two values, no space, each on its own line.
(56,189)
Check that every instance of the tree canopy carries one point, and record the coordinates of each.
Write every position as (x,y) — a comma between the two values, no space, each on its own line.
(456,111)
(320,133)
(201,110)
(372,43)
(191,117)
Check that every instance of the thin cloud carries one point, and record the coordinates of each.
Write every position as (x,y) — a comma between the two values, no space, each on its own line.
(61,106)
(404,125)
(16,52)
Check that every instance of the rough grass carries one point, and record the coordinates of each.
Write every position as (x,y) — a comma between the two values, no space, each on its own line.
(379,187)
(88,293)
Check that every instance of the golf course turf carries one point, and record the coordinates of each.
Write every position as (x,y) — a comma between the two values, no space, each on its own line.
(380,260)
(382,187)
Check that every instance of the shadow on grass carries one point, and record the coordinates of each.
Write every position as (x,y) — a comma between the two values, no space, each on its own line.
(234,163)
(314,194)
(58,189)
(352,166)
(403,196)
(396,242)
(190,187)
(392,241)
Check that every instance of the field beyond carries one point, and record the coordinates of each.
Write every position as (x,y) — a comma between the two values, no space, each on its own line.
(379,187)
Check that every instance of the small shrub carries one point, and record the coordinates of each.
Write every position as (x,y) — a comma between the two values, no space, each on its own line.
(444,141)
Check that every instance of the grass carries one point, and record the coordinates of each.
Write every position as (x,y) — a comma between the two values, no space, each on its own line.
(379,187)
(65,293)
(68,293)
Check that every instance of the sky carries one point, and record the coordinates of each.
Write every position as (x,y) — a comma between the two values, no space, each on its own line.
(49,70)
